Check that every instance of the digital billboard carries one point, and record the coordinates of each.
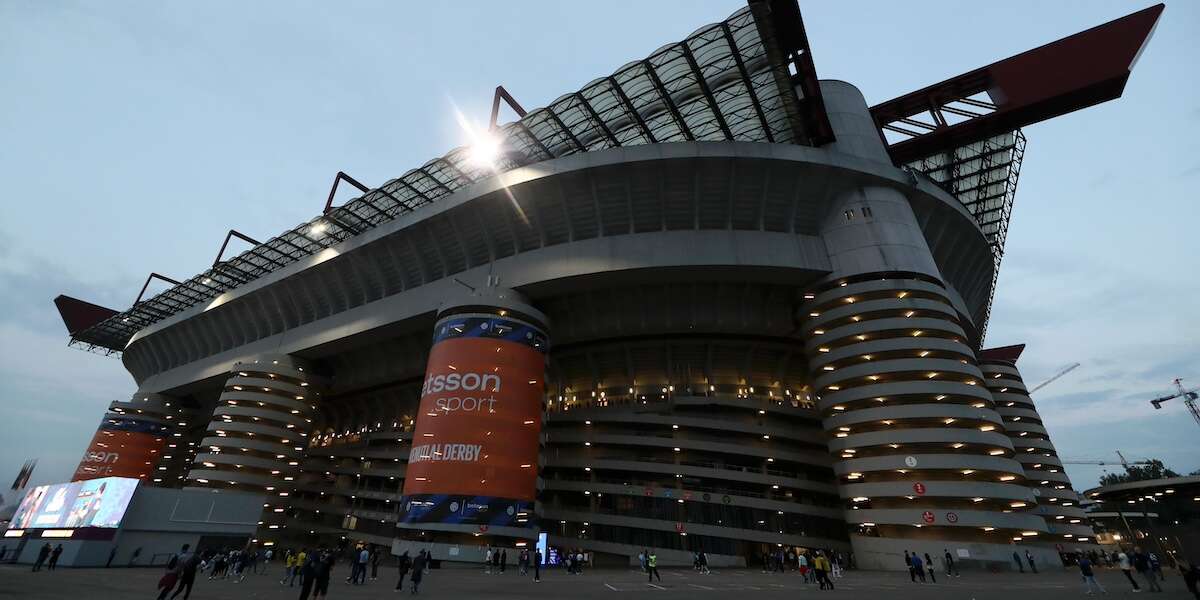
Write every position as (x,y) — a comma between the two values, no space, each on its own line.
(92,503)
(122,447)
(475,446)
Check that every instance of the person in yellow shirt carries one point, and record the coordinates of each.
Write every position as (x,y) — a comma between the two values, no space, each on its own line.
(289,563)
(821,568)
(300,558)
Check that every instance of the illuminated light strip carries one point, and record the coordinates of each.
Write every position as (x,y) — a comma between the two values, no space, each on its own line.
(58,533)
(14,533)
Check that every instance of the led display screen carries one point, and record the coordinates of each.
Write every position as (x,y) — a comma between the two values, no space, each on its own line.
(92,503)
(122,447)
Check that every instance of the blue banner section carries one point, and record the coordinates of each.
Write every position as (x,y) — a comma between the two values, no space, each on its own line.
(497,328)
(133,426)
(466,510)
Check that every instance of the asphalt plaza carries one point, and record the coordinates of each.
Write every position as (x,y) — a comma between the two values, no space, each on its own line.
(116,584)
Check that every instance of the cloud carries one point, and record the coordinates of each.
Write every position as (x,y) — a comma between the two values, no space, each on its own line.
(54,396)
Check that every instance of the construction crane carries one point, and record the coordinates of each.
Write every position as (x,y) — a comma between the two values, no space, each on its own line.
(1189,399)
(1060,373)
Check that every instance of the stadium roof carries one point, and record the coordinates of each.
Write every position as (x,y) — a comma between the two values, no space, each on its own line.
(748,78)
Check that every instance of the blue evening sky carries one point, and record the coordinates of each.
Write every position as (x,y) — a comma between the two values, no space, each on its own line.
(134,134)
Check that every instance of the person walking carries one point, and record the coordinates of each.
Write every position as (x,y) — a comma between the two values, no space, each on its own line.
(487,561)
(503,560)
(1191,578)
(1141,562)
(43,552)
(652,567)
(167,582)
(301,559)
(918,567)
(403,564)
(802,562)
(54,554)
(949,560)
(1029,558)
(929,567)
(821,569)
(323,570)
(537,566)
(306,569)
(1155,565)
(418,571)
(1089,577)
(1124,563)
(289,563)
(188,564)
(912,573)
(376,557)
(1017,558)
(704,563)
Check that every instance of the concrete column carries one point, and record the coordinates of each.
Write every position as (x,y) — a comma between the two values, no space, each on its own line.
(919,449)
(141,438)
(476,446)
(259,429)
(1058,502)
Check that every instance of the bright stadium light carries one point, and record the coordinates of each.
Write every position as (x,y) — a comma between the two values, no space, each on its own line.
(483,147)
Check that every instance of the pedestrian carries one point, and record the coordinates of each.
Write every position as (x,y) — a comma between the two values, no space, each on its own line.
(289,563)
(836,563)
(418,570)
(1141,562)
(704,563)
(376,557)
(495,562)
(912,573)
(188,564)
(537,566)
(267,556)
(1155,565)
(403,564)
(929,566)
(821,568)
(301,560)
(652,567)
(1089,577)
(523,559)
(487,561)
(642,560)
(167,582)
(54,554)
(322,570)
(1029,558)
(579,560)
(307,571)
(918,567)
(1017,558)
(43,552)
(1124,563)
(1191,576)
(802,561)
(949,560)
(503,560)
(364,557)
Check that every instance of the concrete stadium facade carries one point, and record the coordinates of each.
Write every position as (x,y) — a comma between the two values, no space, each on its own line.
(755,345)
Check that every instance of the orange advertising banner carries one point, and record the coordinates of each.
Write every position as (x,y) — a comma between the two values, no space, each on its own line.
(122,448)
(480,420)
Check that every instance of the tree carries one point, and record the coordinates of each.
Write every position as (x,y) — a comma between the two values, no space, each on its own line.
(1154,470)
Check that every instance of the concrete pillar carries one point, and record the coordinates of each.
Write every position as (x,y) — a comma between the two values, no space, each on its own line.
(474,461)
(1058,502)
(259,429)
(918,447)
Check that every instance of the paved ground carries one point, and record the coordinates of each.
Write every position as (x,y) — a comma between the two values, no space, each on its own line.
(117,584)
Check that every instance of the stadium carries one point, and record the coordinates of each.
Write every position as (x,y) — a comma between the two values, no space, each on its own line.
(708,301)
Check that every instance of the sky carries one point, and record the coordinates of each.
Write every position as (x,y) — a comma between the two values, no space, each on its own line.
(133,135)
